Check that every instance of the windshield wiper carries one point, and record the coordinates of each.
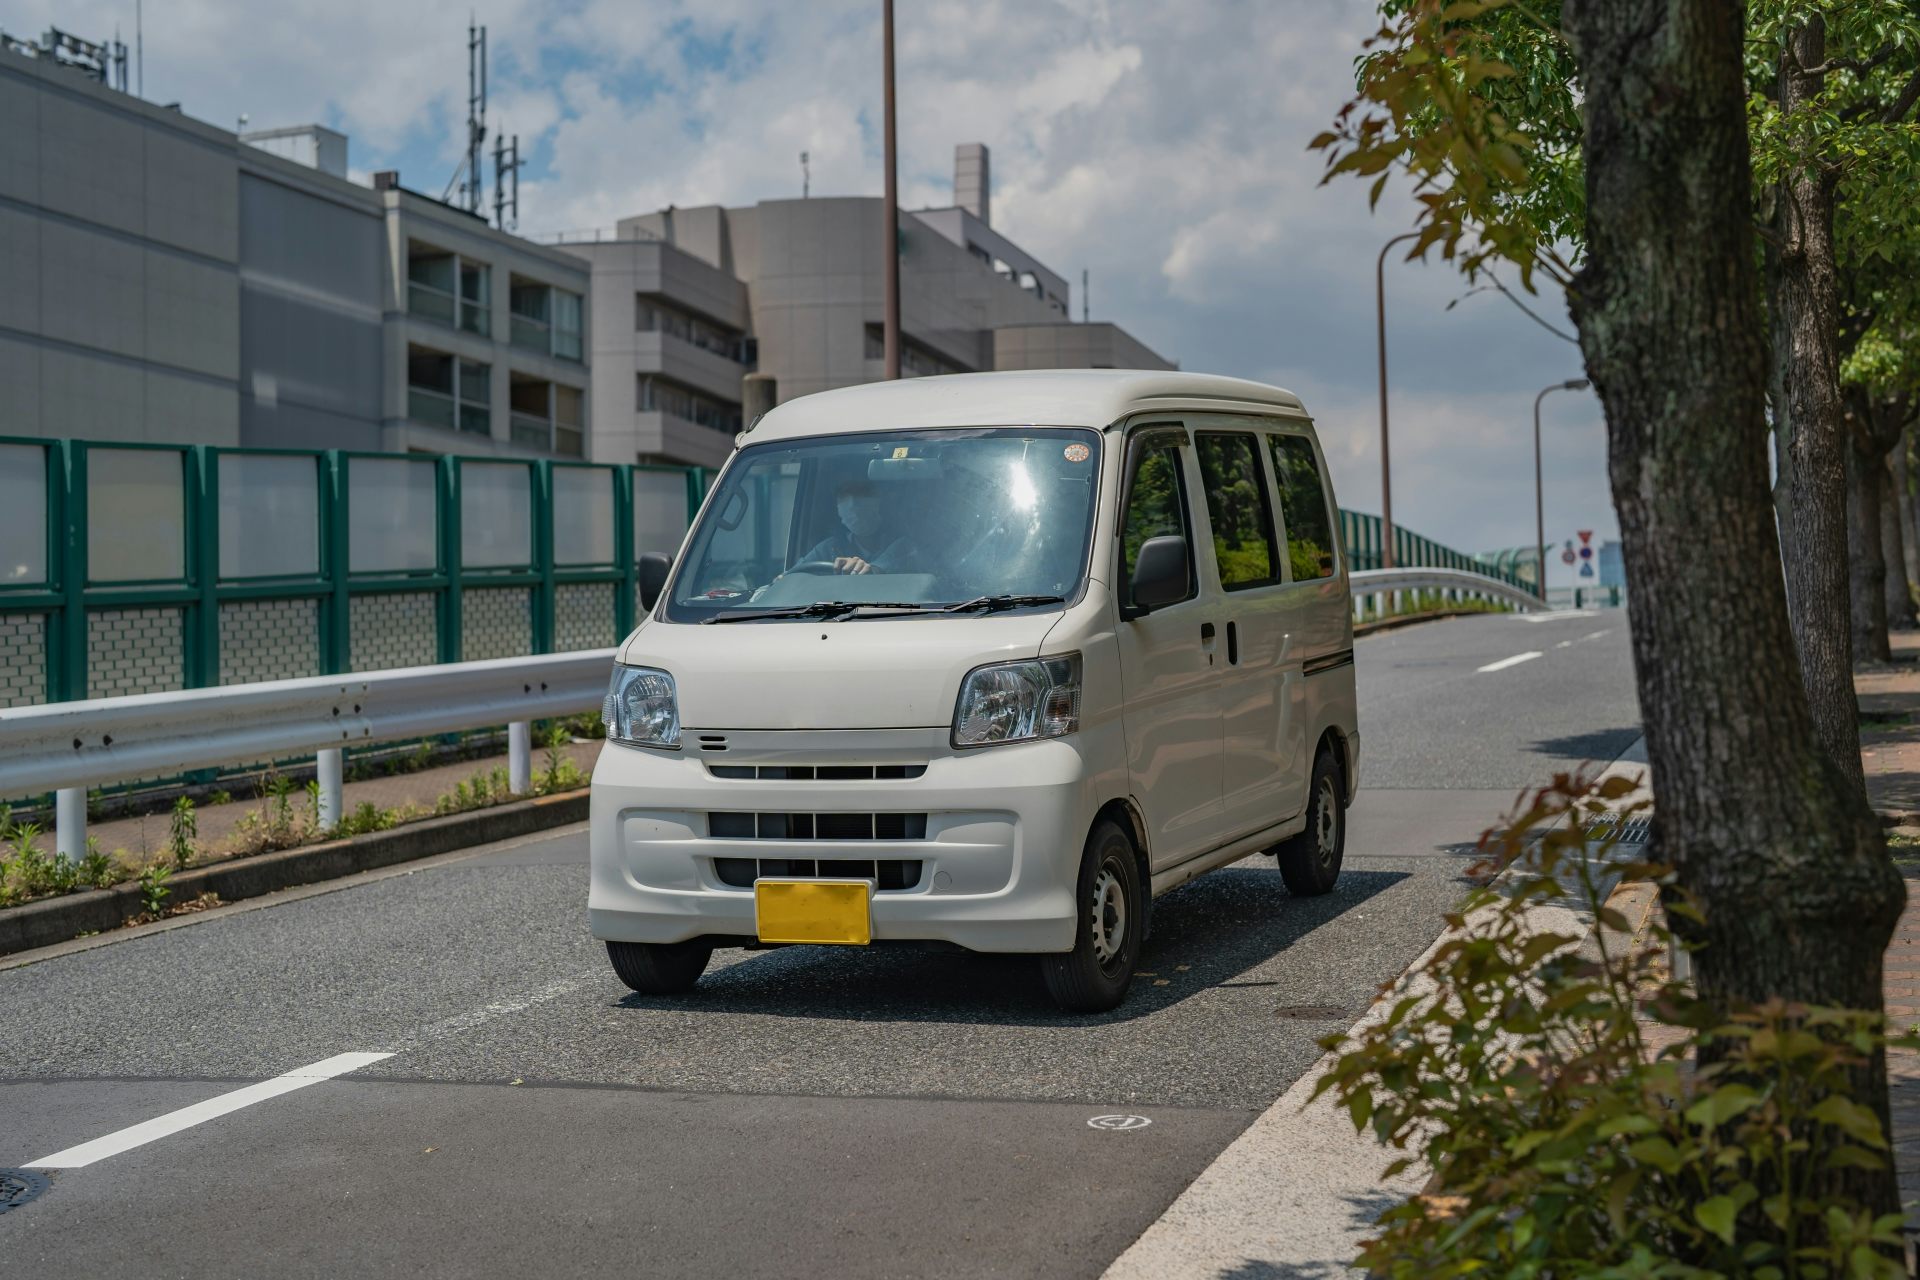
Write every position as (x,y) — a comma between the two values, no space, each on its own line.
(819,609)
(994,604)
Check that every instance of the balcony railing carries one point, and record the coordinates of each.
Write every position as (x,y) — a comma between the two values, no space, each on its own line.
(425,300)
(435,408)
(530,432)
(530,334)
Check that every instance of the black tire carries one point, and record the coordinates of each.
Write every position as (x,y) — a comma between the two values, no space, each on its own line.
(1310,861)
(660,969)
(1095,975)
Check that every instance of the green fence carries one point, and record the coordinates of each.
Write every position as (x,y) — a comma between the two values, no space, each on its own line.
(1410,550)
(131,569)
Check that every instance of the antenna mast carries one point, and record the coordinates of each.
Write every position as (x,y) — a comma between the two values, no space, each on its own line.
(806,176)
(476,115)
(1086,300)
(506,173)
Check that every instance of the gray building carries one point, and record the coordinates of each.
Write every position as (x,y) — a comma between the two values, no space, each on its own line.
(686,301)
(165,280)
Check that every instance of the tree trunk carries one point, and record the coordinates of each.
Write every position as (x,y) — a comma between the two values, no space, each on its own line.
(1893,539)
(1900,473)
(1764,831)
(1803,293)
(1866,560)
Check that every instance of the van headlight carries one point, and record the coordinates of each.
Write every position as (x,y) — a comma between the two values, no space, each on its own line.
(1018,701)
(641,708)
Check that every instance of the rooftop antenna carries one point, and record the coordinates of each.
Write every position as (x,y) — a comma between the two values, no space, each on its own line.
(476,114)
(139,53)
(806,177)
(506,172)
(1086,301)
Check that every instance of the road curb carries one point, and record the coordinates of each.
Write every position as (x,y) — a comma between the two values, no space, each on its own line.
(1412,619)
(1297,1191)
(54,920)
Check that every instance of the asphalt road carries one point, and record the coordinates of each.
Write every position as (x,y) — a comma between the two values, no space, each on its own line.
(814,1111)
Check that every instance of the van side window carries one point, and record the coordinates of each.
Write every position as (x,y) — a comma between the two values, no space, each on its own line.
(1156,507)
(1243,541)
(1303,503)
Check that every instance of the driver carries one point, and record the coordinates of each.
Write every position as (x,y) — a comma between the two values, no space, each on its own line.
(865,541)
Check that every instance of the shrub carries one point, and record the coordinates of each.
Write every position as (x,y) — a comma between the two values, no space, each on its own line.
(1518,1069)
(182,829)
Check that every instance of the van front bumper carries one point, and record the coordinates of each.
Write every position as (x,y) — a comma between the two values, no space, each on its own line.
(995,869)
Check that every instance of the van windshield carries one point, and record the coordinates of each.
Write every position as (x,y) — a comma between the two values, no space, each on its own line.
(911,520)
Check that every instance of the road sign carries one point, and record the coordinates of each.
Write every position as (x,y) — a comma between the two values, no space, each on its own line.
(1586,553)
(1586,569)
(1567,556)
(1586,536)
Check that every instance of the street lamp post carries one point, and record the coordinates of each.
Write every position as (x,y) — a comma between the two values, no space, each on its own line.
(1386,466)
(1539,500)
(890,327)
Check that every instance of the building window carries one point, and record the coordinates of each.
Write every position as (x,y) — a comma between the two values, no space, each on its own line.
(915,360)
(443,391)
(531,306)
(566,325)
(657,395)
(569,430)
(651,315)
(476,297)
(530,401)
(430,281)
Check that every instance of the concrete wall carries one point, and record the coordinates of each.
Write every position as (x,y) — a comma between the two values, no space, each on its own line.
(1072,346)
(119,248)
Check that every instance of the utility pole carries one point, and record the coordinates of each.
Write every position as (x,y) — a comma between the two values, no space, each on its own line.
(806,177)
(1086,299)
(891,327)
(1386,466)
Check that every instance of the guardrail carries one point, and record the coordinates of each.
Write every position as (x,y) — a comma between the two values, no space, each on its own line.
(1457,583)
(66,747)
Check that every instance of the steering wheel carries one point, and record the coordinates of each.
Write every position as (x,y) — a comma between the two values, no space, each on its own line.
(814,566)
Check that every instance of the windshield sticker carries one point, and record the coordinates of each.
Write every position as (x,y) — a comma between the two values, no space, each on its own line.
(1077,453)
(900,451)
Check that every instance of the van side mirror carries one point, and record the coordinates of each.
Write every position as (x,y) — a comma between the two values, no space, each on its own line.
(652,572)
(1160,573)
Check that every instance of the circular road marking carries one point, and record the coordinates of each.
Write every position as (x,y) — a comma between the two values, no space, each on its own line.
(1118,1122)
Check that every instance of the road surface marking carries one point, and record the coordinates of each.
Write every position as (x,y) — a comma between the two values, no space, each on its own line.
(1553,615)
(1595,635)
(1564,644)
(200,1112)
(1514,661)
(1119,1124)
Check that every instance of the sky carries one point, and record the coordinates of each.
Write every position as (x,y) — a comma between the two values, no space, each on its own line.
(1163,148)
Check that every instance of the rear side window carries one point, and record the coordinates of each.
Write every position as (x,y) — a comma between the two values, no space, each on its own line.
(1243,541)
(1156,505)
(1303,503)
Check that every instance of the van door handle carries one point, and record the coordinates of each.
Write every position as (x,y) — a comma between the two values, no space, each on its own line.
(1233,645)
(1206,632)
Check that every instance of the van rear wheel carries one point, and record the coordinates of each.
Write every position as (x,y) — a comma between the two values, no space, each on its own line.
(1112,917)
(660,969)
(1310,861)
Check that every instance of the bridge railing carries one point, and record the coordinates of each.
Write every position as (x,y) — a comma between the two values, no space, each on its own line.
(1375,591)
(1364,546)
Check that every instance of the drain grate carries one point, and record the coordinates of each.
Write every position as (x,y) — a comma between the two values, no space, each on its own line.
(17,1186)
(1636,830)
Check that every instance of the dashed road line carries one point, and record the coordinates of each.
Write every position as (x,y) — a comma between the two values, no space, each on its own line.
(1514,661)
(141,1134)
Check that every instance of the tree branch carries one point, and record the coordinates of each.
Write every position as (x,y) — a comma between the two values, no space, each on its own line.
(1904,103)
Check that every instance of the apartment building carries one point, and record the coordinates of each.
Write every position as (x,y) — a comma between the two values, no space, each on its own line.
(687,301)
(165,280)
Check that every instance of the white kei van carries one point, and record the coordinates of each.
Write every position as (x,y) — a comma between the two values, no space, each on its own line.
(986,660)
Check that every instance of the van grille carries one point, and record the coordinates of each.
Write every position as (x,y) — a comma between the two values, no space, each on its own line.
(888,874)
(817,826)
(820,772)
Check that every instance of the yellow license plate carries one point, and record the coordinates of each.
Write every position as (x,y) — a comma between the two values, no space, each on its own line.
(833,911)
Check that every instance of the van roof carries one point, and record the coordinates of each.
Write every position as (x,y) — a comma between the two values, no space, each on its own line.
(1048,397)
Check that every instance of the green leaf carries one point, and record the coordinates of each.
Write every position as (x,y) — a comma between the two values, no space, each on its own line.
(1858,1122)
(1722,1105)
(1716,1214)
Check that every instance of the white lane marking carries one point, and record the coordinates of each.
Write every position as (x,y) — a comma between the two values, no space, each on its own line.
(1553,615)
(1595,635)
(461,1022)
(1564,644)
(1514,661)
(200,1112)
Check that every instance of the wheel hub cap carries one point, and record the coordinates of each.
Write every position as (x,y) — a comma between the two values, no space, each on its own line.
(1109,916)
(1326,821)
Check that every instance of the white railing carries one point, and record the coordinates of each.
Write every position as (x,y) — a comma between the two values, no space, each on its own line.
(66,747)
(1458,584)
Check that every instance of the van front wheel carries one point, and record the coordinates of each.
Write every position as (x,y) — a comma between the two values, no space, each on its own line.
(1112,916)
(660,969)
(1310,861)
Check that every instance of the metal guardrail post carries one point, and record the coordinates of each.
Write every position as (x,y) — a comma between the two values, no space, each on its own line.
(520,757)
(70,822)
(329,772)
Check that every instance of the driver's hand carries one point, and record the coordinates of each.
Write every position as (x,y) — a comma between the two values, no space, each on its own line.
(851,564)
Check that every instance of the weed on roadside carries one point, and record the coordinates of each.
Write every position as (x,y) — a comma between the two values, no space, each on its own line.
(183,828)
